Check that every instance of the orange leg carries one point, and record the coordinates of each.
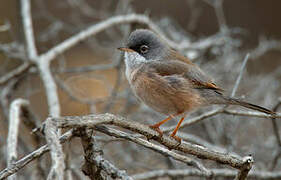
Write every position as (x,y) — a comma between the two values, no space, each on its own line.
(173,135)
(157,125)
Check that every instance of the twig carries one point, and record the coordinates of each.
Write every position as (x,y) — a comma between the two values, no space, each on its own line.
(13,50)
(91,151)
(15,167)
(15,73)
(94,158)
(197,140)
(50,88)
(147,144)
(31,122)
(57,169)
(12,140)
(265,46)
(243,173)
(52,134)
(92,120)
(28,29)
(5,99)
(250,114)
(217,173)
(218,7)
(116,20)
(237,82)
(5,96)
(275,127)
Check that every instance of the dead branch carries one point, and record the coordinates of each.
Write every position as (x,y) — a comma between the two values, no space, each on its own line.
(92,120)
(15,73)
(32,156)
(52,137)
(12,140)
(217,173)
(94,160)
(147,144)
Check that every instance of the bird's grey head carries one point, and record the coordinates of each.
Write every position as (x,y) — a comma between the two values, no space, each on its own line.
(146,44)
(142,46)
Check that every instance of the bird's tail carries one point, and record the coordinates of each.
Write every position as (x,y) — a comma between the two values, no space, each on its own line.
(248,105)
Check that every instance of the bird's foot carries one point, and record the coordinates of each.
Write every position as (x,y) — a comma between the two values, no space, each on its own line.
(156,128)
(178,139)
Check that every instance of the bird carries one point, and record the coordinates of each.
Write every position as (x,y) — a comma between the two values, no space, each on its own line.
(169,82)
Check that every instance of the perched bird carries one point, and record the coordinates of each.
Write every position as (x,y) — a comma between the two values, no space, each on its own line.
(168,82)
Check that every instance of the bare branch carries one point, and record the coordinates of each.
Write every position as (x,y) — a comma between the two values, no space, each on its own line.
(275,126)
(52,133)
(218,7)
(13,50)
(124,19)
(223,43)
(12,140)
(50,88)
(264,46)
(28,29)
(217,173)
(92,120)
(147,144)
(32,156)
(94,29)
(94,158)
(57,169)
(237,82)
(15,73)
(250,113)
(5,96)
(243,173)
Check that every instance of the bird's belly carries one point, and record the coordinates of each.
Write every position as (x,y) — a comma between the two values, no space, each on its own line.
(163,100)
(156,101)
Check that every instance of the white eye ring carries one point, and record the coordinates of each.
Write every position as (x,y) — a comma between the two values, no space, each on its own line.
(144,49)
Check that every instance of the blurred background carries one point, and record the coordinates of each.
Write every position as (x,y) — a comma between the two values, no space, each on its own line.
(90,76)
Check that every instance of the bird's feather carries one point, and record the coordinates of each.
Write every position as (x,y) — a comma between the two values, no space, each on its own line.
(188,71)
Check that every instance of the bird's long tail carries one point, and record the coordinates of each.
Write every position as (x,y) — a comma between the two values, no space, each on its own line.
(248,105)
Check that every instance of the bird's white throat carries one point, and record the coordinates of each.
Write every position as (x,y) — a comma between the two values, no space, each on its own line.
(132,61)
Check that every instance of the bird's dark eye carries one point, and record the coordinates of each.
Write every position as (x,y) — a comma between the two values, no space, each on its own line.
(144,49)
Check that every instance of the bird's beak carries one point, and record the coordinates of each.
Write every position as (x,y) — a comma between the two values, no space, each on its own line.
(125,49)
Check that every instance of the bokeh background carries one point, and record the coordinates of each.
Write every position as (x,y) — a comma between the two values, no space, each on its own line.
(90,76)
